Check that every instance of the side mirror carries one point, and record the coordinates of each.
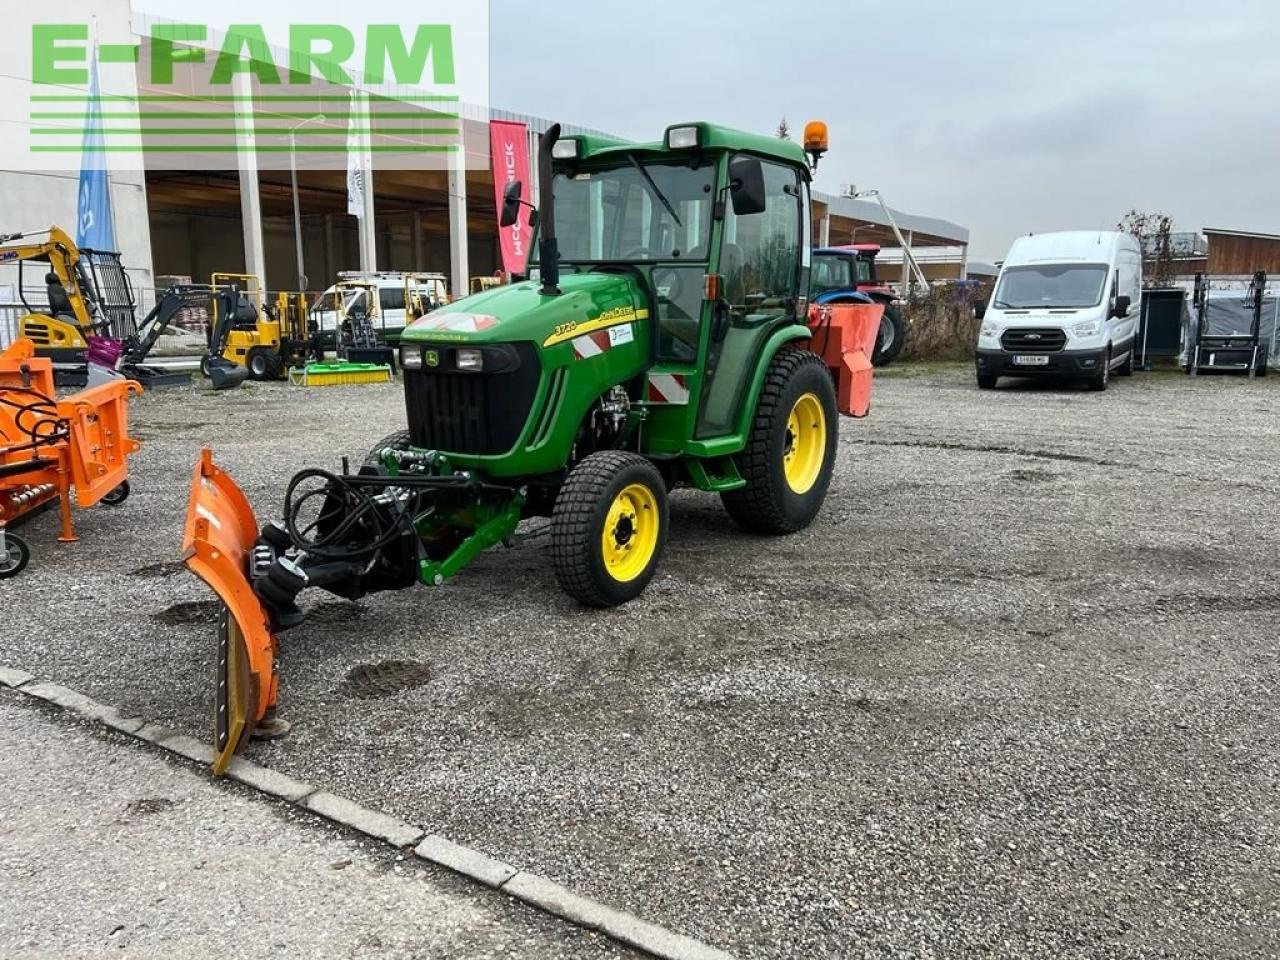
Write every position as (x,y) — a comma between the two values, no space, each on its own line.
(746,185)
(979,309)
(1121,309)
(511,203)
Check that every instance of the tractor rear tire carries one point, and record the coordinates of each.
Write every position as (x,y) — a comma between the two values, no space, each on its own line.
(609,528)
(15,557)
(891,338)
(791,449)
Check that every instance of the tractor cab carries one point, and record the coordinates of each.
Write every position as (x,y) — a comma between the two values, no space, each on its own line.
(709,229)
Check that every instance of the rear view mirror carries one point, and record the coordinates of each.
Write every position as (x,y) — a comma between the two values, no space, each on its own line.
(1121,309)
(511,203)
(979,309)
(746,185)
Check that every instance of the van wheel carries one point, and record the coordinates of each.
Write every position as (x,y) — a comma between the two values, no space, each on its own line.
(1099,383)
(987,381)
(791,449)
(1126,368)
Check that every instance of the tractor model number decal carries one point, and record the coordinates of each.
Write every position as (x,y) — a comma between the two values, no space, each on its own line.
(610,318)
(668,388)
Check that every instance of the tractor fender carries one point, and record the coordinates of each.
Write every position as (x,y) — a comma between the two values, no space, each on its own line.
(791,333)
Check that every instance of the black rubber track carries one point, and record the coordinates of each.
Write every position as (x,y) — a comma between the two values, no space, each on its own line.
(579,516)
(764,505)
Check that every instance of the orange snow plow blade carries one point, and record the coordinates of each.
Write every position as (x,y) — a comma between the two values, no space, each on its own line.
(216,546)
(844,335)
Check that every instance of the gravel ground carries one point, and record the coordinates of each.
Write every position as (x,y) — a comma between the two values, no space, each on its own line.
(109,850)
(1011,695)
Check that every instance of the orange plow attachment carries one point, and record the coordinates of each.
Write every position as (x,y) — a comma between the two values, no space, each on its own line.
(216,546)
(844,335)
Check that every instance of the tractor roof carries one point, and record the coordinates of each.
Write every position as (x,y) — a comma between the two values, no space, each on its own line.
(710,137)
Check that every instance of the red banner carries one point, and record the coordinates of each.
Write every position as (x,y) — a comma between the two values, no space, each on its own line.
(509,155)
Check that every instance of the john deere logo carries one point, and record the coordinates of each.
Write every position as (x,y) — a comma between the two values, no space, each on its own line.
(431,358)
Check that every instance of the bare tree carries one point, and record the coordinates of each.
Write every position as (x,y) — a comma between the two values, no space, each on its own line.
(1154,233)
(784,131)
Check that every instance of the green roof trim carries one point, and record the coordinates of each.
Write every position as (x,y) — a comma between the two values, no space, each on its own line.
(710,136)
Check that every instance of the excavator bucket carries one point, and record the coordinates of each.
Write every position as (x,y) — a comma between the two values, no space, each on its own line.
(223,374)
(217,545)
(844,335)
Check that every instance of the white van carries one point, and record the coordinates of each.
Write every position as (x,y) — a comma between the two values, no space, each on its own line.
(391,314)
(1065,305)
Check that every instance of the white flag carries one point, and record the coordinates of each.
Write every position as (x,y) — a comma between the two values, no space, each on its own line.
(355,160)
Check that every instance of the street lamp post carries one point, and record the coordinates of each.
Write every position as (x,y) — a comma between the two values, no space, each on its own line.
(297,211)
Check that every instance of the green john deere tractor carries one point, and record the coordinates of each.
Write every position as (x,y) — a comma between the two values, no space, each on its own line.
(661,338)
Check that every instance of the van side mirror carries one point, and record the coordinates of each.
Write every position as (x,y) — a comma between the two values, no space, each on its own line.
(746,185)
(510,203)
(979,309)
(1121,309)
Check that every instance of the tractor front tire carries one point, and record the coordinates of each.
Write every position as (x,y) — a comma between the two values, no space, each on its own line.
(372,462)
(791,448)
(609,528)
(891,338)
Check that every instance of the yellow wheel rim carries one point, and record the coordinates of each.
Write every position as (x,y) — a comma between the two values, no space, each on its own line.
(805,447)
(630,535)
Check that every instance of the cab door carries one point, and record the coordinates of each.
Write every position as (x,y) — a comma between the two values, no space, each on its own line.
(762,264)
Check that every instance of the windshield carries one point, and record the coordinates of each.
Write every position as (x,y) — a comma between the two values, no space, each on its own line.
(638,211)
(830,273)
(1066,285)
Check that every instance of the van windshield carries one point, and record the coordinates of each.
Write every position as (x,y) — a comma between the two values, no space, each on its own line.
(1047,285)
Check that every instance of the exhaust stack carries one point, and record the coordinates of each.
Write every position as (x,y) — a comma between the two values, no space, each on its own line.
(548,249)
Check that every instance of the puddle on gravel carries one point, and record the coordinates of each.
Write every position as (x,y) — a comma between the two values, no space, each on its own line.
(195,611)
(147,806)
(1032,476)
(371,681)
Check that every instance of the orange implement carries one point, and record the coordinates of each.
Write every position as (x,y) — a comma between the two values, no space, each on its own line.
(844,335)
(217,545)
(49,446)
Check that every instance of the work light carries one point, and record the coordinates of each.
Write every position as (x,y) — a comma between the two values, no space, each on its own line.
(682,138)
(410,358)
(565,150)
(472,360)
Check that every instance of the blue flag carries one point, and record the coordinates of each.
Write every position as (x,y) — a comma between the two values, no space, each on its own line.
(95,226)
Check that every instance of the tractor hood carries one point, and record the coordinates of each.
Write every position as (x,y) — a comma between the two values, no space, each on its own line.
(588,302)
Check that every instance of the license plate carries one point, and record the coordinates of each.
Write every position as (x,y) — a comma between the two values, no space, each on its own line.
(1031,360)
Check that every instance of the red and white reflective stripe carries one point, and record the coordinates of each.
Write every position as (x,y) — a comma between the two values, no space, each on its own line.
(591,344)
(667,388)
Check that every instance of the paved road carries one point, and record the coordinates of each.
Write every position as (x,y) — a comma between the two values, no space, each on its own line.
(109,849)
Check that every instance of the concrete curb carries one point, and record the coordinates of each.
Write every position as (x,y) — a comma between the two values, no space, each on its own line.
(529,888)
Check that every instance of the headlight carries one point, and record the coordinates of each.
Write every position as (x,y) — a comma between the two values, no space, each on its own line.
(410,358)
(472,360)
(1090,328)
(989,330)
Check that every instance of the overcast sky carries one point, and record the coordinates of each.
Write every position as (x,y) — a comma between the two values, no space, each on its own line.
(1002,116)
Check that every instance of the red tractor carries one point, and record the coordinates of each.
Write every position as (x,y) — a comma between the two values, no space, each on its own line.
(848,275)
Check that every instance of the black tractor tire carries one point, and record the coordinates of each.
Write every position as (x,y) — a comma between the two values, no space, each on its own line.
(399,440)
(16,556)
(263,364)
(891,338)
(1099,383)
(768,504)
(579,525)
(117,496)
(987,381)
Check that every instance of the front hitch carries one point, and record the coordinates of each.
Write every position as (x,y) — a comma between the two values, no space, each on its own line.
(217,546)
